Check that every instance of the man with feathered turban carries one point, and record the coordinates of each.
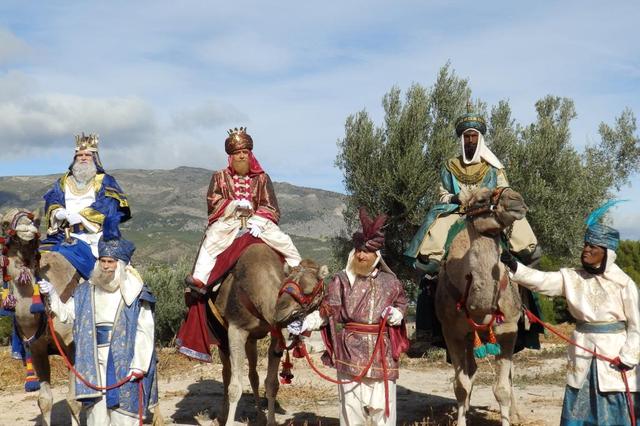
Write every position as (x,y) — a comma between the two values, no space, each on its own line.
(604,302)
(240,199)
(474,168)
(113,333)
(86,199)
(350,316)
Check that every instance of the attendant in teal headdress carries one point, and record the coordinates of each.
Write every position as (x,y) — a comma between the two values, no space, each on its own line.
(476,167)
(604,302)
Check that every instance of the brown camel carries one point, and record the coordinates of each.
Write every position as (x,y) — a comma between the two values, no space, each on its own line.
(474,287)
(252,304)
(20,229)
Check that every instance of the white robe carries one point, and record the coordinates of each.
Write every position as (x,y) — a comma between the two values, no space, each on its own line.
(609,297)
(105,309)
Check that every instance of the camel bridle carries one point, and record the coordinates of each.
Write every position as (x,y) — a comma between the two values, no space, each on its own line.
(294,289)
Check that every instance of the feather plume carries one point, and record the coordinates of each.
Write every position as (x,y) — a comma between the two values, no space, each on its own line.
(370,226)
(596,215)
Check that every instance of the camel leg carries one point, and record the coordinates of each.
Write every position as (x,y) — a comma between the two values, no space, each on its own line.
(464,366)
(502,388)
(237,340)
(251,350)
(271,382)
(226,378)
(40,360)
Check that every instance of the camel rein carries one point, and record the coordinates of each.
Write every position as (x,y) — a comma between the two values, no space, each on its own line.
(613,361)
(91,385)
(379,349)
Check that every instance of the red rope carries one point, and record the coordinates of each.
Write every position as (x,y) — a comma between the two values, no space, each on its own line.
(91,385)
(379,348)
(533,318)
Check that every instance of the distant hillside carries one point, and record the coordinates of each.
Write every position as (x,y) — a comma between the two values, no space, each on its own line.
(169,210)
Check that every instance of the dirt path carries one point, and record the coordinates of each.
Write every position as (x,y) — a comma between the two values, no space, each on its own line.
(191,393)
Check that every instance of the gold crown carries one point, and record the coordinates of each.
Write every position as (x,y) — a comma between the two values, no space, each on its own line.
(237,132)
(87,142)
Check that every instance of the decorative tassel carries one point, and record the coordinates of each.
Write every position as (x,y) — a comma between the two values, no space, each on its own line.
(286,375)
(493,347)
(25,277)
(31,383)
(479,350)
(6,305)
(36,301)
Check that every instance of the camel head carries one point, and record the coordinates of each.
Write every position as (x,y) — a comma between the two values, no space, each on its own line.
(494,210)
(302,291)
(22,224)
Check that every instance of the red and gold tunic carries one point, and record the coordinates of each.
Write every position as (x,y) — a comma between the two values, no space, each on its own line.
(362,303)
(257,188)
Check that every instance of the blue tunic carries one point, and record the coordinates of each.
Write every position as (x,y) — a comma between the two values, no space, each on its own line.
(121,351)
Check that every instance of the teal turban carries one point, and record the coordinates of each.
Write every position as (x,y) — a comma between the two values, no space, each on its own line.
(602,235)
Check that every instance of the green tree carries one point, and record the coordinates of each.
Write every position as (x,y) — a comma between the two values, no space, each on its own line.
(394,168)
(629,259)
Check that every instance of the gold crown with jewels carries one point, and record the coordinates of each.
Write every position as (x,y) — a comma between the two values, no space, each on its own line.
(87,142)
(237,132)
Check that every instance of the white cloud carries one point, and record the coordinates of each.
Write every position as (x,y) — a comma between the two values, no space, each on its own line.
(12,47)
(43,120)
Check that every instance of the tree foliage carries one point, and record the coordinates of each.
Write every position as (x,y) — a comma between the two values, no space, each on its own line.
(629,259)
(394,168)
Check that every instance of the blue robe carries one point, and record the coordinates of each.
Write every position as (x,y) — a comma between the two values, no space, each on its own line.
(110,208)
(124,398)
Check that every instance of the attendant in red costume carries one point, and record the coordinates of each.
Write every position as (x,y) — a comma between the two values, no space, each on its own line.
(357,299)
(240,199)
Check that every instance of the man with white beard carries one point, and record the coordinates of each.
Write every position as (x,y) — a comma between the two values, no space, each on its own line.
(87,199)
(113,332)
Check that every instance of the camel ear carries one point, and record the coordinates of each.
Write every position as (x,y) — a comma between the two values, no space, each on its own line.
(323,272)
(36,218)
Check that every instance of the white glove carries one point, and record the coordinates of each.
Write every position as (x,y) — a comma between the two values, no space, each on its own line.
(46,287)
(136,374)
(74,218)
(297,327)
(60,214)
(244,204)
(255,229)
(393,315)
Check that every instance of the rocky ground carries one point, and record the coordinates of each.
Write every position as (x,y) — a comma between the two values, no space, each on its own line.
(191,393)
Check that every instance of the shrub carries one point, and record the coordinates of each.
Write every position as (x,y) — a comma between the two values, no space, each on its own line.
(167,283)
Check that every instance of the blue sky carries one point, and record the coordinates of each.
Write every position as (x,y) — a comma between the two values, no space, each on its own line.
(161,81)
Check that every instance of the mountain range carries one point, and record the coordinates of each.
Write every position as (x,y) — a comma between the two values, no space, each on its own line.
(169,210)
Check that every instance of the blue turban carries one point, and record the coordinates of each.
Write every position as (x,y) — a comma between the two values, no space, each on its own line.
(118,249)
(602,235)
(470,121)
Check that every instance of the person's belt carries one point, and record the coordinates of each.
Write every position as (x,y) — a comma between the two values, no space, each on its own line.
(359,327)
(103,334)
(601,327)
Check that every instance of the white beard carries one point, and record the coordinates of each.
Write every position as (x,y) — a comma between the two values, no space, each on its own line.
(83,173)
(104,280)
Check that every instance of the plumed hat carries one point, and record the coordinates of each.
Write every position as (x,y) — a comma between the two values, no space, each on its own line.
(371,238)
(602,235)
(470,120)
(238,139)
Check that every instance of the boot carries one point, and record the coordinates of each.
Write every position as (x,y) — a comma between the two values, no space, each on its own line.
(195,284)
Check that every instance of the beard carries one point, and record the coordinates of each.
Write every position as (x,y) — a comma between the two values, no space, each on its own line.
(108,281)
(363,268)
(241,167)
(83,173)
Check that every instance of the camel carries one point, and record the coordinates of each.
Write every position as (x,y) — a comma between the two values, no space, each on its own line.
(474,287)
(253,305)
(20,228)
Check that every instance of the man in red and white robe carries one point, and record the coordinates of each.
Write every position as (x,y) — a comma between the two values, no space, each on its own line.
(240,199)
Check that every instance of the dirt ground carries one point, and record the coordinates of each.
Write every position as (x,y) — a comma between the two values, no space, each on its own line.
(191,393)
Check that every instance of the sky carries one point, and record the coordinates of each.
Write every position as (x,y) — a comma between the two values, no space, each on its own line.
(162,81)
